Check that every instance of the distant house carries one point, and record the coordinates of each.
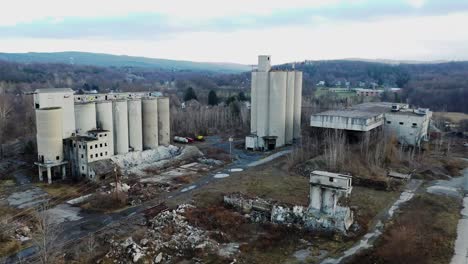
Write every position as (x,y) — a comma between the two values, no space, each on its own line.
(368,92)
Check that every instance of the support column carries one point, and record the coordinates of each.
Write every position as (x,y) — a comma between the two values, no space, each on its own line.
(315,197)
(49,175)
(40,173)
(64,172)
(328,201)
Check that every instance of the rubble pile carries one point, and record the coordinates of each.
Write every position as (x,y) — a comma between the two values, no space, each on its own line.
(171,230)
(259,210)
(169,236)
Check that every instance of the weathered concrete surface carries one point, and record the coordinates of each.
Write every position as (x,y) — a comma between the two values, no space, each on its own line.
(27,198)
(64,212)
(269,158)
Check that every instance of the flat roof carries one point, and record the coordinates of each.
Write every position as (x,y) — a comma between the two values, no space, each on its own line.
(369,110)
(351,113)
(330,174)
(54,90)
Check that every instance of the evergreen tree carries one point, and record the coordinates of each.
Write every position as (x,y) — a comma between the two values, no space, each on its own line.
(212,98)
(190,94)
(242,96)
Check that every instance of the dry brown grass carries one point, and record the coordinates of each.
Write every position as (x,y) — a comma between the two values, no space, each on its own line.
(454,117)
(424,233)
(104,202)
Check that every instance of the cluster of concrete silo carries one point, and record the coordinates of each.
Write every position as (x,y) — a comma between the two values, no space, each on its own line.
(136,124)
(49,125)
(276,98)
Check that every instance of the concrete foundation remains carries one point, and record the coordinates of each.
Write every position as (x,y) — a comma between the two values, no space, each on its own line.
(323,212)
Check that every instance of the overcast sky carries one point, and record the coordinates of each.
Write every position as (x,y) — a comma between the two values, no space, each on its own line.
(238,30)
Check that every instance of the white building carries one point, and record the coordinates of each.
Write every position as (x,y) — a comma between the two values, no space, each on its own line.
(86,149)
(410,126)
(275,106)
(75,131)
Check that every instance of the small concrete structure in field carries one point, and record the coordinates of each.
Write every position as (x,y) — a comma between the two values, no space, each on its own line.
(323,212)
(325,190)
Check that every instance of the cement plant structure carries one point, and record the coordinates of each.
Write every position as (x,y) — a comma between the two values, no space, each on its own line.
(276,98)
(74,131)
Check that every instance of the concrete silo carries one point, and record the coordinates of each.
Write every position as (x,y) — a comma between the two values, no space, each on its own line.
(49,126)
(150,122)
(253,103)
(105,121)
(164,121)
(85,117)
(297,104)
(120,122)
(262,99)
(289,130)
(135,127)
(277,106)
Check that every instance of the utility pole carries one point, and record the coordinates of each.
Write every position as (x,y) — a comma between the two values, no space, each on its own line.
(230,147)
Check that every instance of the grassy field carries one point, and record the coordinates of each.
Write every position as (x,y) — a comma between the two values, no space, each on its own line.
(276,244)
(454,117)
(322,91)
(424,232)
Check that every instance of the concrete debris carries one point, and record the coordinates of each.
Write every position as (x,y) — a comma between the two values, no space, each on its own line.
(133,159)
(169,235)
(139,163)
(260,211)
(158,258)
(121,187)
(211,162)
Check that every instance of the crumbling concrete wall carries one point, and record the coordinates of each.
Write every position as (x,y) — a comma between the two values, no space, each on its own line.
(261,210)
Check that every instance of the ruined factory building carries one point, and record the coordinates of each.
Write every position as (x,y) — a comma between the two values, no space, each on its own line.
(76,131)
(410,126)
(323,212)
(276,107)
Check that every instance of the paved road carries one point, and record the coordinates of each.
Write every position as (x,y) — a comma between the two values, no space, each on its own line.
(90,223)
(461,243)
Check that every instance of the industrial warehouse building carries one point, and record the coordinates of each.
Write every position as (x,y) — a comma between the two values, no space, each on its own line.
(410,126)
(276,98)
(77,130)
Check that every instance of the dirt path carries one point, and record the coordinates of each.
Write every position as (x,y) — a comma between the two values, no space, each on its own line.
(368,240)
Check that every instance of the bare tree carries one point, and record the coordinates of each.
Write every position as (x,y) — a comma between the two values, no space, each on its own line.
(6,109)
(335,149)
(45,239)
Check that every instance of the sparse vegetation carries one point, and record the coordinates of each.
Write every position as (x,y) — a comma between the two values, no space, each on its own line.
(423,233)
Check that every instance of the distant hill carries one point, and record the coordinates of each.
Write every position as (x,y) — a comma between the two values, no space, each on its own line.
(108,60)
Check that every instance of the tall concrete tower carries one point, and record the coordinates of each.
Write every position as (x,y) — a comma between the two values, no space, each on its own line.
(275,106)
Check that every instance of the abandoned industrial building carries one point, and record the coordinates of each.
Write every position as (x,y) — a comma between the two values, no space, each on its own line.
(74,131)
(276,98)
(410,126)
